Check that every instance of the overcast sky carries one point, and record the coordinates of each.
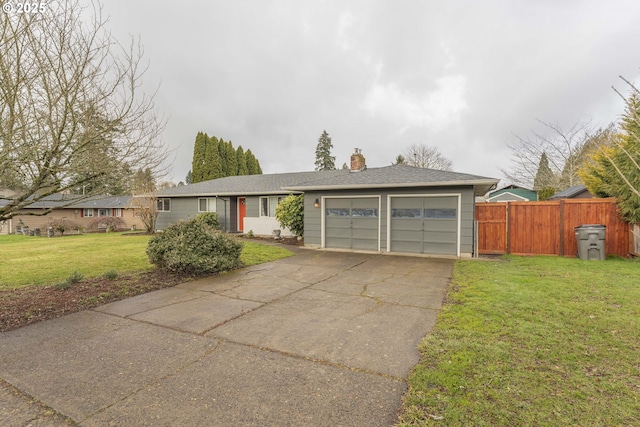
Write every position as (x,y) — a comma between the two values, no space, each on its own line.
(463,76)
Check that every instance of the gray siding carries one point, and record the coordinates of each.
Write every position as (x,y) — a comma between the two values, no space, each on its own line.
(182,208)
(312,217)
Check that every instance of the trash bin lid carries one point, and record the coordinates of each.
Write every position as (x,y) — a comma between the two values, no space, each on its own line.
(589,226)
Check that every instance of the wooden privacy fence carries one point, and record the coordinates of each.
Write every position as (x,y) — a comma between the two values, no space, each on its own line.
(547,228)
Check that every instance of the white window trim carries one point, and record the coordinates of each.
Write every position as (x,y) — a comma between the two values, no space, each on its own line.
(268,198)
(210,201)
(163,209)
(88,213)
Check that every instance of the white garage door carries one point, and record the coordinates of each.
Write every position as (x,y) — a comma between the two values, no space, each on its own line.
(352,223)
(426,225)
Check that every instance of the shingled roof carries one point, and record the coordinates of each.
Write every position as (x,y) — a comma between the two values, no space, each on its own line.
(384,177)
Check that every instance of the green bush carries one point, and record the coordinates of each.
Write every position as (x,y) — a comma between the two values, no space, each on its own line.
(74,278)
(194,247)
(110,275)
(290,213)
(210,218)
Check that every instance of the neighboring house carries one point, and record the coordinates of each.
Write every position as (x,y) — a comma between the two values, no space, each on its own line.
(575,192)
(83,212)
(395,208)
(512,193)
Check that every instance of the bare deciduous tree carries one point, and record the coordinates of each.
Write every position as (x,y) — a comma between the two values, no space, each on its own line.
(71,107)
(565,151)
(422,156)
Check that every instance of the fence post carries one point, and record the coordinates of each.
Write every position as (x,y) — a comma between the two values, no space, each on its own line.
(562,220)
(506,225)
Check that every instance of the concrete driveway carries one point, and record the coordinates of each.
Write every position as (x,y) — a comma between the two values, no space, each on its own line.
(320,338)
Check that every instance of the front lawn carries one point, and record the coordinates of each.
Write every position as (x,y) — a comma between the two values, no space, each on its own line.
(27,261)
(539,341)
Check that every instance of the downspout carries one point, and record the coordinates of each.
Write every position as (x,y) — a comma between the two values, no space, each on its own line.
(226,230)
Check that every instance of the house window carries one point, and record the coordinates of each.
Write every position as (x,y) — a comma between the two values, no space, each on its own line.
(103,212)
(207,204)
(164,205)
(117,212)
(268,205)
(87,213)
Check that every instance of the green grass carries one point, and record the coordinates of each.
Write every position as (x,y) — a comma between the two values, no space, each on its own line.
(28,261)
(540,341)
(256,253)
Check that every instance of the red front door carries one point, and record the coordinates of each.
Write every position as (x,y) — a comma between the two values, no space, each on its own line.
(242,212)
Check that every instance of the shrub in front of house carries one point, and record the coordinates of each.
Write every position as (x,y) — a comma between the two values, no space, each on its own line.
(290,213)
(107,223)
(62,224)
(210,218)
(194,247)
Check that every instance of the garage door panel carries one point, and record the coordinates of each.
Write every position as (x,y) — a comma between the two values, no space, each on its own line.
(352,223)
(440,249)
(424,225)
(364,203)
(407,236)
(441,202)
(338,242)
(406,202)
(406,246)
(437,226)
(441,237)
(406,224)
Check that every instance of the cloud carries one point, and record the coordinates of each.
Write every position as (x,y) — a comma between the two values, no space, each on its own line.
(436,109)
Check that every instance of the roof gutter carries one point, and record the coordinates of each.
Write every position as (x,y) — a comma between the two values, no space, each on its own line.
(489,182)
(235,193)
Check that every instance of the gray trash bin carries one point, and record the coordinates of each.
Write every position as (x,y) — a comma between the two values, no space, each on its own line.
(591,241)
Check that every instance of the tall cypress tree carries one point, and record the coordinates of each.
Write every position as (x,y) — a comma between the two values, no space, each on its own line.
(252,164)
(198,163)
(224,161)
(544,176)
(242,161)
(213,167)
(231,159)
(324,160)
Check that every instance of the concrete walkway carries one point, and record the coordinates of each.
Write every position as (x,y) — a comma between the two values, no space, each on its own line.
(317,339)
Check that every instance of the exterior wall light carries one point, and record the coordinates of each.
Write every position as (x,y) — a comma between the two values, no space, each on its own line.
(316,204)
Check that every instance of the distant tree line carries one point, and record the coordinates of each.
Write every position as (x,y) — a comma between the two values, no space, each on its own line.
(215,158)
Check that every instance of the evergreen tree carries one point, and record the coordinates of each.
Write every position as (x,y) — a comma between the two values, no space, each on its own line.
(324,160)
(143,182)
(544,177)
(224,161)
(232,162)
(242,161)
(198,163)
(252,163)
(213,166)
(614,168)
(215,158)
(400,160)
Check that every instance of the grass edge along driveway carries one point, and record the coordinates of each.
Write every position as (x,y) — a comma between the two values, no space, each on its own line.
(532,341)
(27,261)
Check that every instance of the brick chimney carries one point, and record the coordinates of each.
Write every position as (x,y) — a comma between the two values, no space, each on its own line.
(357,161)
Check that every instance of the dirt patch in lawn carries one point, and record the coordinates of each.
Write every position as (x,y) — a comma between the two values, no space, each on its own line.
(20,307)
